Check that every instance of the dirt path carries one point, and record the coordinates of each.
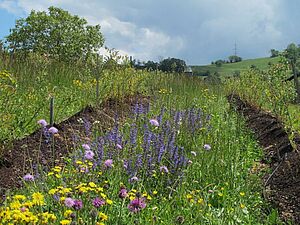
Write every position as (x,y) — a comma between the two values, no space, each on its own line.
(282,185)
(21,156)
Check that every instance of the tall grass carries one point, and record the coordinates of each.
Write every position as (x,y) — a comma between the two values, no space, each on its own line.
(72,85)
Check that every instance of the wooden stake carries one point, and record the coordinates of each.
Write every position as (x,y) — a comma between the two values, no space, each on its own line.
(51,111)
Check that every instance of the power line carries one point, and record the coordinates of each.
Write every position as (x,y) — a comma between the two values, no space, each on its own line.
(235,49)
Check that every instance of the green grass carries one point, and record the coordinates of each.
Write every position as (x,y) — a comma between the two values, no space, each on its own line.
(228,69)
(27,85)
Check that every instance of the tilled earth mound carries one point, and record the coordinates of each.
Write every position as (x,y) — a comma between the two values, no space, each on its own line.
(282,185)
(22,156)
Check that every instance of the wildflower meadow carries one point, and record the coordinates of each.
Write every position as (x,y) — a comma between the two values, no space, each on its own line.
(182,157)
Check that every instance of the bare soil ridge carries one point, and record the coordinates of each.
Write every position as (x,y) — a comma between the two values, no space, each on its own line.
(282,185)
(22,156)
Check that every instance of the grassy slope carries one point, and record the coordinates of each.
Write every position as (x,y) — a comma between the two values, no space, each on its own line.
(228,69)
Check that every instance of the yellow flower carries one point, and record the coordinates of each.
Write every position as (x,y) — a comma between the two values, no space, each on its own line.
(189,196)
(99,189)
(50,173)
(46,216)
(15,205)
(65,222)
(155,192)
(52,191)
(65,191)
(79,162)
(242,206)
(37,198)
(83,189)
(200,201)
(92,184)
(28,204)
(220,194)
(103,217)
(242,194)
(57,169)
(103,195)
(109,202)
(68,213)
(19,197)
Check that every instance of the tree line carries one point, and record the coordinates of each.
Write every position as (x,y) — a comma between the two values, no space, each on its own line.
(168,65)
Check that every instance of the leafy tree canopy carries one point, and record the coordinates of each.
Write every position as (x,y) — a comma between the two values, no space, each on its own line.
(151,66)
(292,52)
(57,34)
(172,65)
(234,59)
(274,53)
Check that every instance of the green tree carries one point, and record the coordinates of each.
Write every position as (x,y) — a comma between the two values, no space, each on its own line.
(292,54)
(219,63)
(234,59)
(57,34)
(274,53)
(151,66)
(172,65)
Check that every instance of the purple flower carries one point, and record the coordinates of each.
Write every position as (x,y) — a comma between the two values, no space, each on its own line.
(23,209)
(28,177)
(69,202)
(119,146)
(133,179)
(154,122)
(77,204)
(42,122)
(53,130)
(108,163)
(56,197)
(89,155)
(123,193)
(163,169)
(83,169)
(86,147)
(98,202)
(137,205)
(207,147)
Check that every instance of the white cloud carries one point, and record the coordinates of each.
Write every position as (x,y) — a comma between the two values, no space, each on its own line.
(198,31)
(10,6)
(142,42)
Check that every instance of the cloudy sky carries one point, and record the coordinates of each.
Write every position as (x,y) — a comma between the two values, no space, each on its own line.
(198,31)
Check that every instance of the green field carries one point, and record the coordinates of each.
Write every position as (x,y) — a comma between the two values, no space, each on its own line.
(228,69)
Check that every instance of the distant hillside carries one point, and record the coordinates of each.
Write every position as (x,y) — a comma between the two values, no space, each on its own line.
(228,69)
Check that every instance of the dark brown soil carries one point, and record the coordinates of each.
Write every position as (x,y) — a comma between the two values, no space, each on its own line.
(22,156)
(282,185)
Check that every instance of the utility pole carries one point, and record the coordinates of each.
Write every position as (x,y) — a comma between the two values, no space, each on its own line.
(235,49)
